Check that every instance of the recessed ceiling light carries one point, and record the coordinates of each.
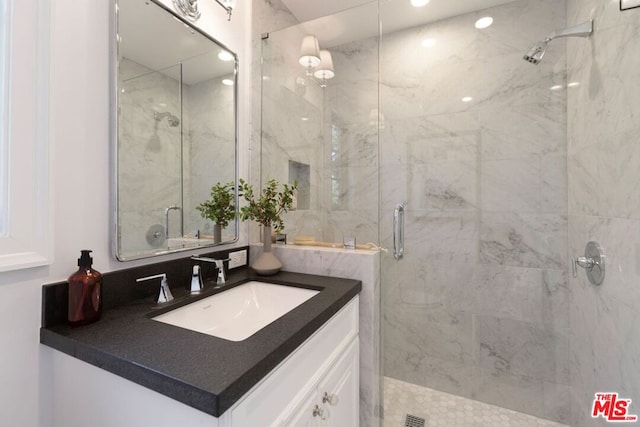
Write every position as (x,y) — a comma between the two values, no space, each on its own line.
(484,22)
(227,82)
(573,84)
(304,119)
(467,99)
(428,42)
(556,87)
(225,56)
(419,3)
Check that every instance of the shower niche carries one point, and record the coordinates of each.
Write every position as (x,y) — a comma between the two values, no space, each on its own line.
(175,137)
(301,173)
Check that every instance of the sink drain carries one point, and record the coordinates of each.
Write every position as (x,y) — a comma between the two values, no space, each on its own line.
(413,421)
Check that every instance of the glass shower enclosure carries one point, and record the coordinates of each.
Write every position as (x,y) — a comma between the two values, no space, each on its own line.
(432,110)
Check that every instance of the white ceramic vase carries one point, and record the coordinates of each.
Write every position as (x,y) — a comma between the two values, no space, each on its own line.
(217,233)
(267,263)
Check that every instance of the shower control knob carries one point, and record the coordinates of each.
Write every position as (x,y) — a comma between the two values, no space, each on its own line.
(592,262)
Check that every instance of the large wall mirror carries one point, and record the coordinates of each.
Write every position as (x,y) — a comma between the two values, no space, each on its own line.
(175,133)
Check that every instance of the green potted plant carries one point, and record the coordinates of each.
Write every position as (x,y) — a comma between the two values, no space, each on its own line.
(267,209)
(220,208)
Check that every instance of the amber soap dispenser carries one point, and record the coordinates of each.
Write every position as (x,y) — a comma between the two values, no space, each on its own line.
(85,292)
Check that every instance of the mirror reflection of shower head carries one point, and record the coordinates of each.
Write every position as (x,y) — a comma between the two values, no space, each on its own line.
(536,53)
(173,120)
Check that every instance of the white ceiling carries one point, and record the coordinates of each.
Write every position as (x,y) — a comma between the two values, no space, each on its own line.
(339,21)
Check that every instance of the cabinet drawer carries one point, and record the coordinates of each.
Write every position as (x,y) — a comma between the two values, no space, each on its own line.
(334,402)
(298,373)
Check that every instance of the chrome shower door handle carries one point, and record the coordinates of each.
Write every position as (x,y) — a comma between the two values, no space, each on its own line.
(398,231)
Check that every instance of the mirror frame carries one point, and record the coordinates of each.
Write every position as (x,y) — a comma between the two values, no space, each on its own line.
(114,101)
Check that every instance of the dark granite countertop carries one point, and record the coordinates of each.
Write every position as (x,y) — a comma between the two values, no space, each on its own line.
(202,371)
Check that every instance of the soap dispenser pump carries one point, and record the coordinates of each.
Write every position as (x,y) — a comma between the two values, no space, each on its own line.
(85,292)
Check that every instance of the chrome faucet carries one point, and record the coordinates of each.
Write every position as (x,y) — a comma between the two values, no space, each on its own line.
(222,278)
(166,219)
(164,294)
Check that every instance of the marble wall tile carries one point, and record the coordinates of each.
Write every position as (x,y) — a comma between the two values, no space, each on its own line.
(602,126)
(440,374)
(523,240)
(444,237)
(149,154)
(517,392)
(434,332)
(524,130)
(554,184)
(611,164)
(512,185)
(507,346)
(606,13)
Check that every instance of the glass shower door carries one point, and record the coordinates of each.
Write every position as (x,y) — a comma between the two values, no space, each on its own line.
(473,143)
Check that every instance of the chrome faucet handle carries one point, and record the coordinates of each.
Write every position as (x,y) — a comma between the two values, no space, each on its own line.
(196,284)
(222,278)
(164,293)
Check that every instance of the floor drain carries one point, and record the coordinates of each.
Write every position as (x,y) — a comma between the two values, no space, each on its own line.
(413,421)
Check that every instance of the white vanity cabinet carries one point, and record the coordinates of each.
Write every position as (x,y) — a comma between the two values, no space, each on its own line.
(327,362)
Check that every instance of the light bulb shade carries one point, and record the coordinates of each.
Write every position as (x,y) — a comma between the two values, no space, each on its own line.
(325,69)
(309,52)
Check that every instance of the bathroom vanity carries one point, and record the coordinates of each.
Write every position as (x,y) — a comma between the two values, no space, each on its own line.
(129,369)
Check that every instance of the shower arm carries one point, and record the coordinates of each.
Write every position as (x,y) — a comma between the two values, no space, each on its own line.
(583,30)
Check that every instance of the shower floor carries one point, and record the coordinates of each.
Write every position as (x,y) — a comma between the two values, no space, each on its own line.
(448,410)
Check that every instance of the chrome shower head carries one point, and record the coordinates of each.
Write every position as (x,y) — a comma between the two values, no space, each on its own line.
(536,53)
(173,120)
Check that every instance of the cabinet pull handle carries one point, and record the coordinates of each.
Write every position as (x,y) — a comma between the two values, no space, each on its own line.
(331,399)
(319,412)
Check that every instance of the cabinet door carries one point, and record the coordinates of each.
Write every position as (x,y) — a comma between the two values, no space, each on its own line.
(308,413)
(339,390)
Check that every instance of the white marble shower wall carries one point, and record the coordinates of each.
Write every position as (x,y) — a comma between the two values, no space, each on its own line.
(153,156)
(149,153)
(291,123)
(209,154)
(604,204)
(478,306)
(329,129)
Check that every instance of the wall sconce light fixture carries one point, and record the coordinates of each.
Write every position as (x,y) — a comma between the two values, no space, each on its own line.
(318,63)
(309,53)
(189,8)
(324,71)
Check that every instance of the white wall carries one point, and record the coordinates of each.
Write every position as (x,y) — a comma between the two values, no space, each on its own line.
(79,161)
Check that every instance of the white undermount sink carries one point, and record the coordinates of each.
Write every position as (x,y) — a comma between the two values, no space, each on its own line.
(237,313)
